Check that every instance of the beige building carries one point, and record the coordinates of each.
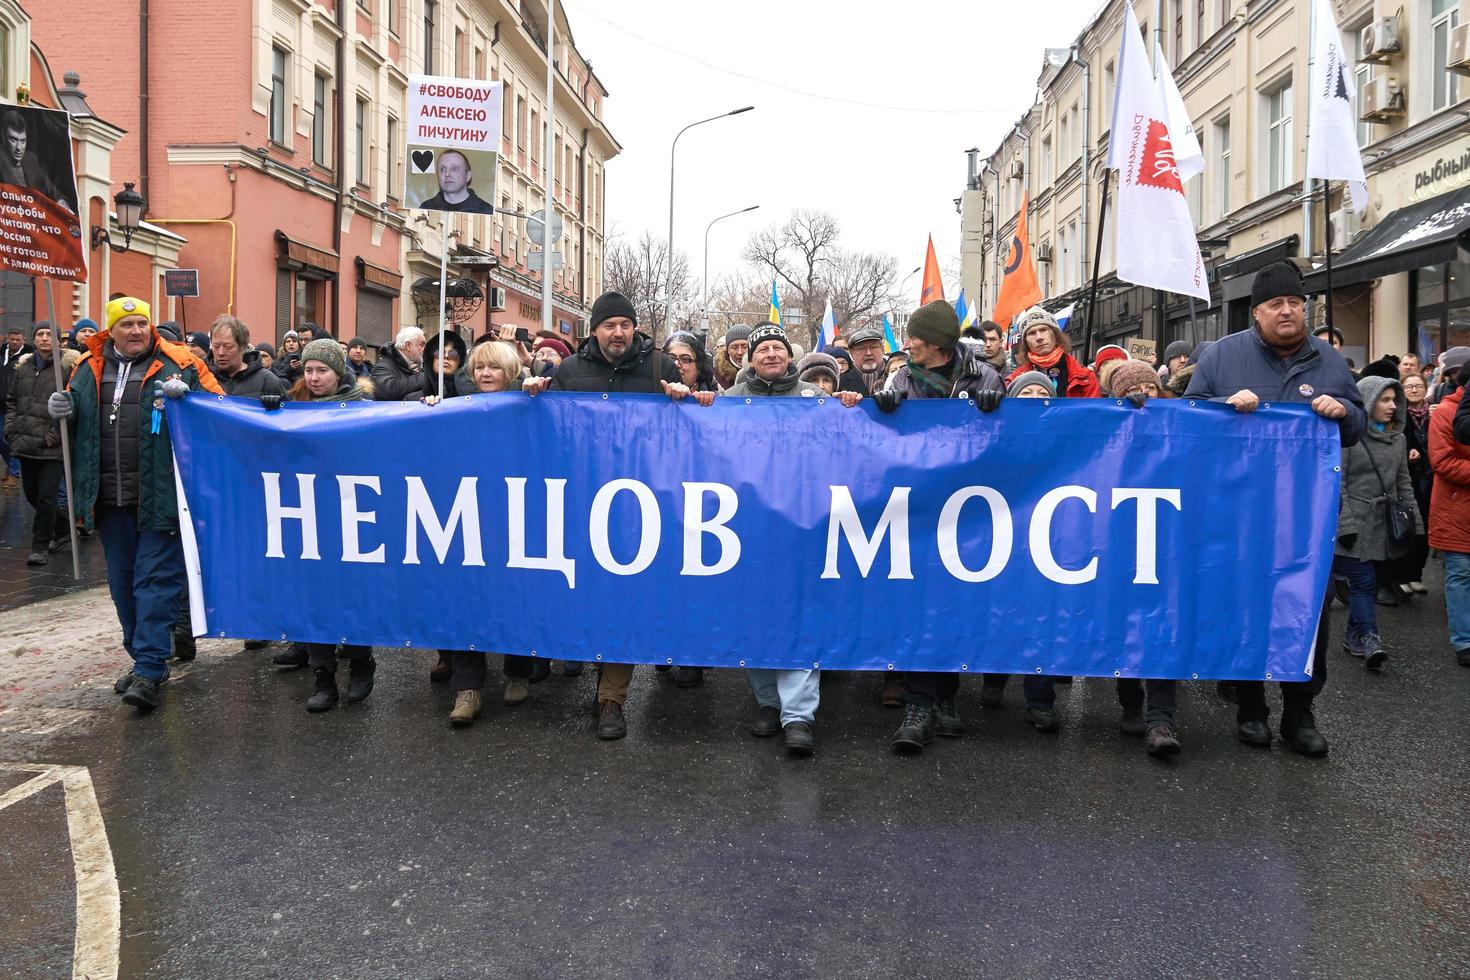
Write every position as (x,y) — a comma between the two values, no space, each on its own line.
(1401,276)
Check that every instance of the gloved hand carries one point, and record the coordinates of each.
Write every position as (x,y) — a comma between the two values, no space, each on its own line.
(988,401)
(59,405)
(1139,399)
(887,400)
(270,402)
(175,388)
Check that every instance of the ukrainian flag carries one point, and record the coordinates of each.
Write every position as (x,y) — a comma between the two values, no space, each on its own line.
(890,343)
(964,312)
(775,315)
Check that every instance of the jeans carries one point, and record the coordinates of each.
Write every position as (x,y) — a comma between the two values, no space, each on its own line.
(924,687)
(145,574)
(39,478)
(1296,696)
(1457,597)
(795,692)
(1362,579)
(1161,698)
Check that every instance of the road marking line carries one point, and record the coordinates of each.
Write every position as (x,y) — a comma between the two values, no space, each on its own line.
(26,789)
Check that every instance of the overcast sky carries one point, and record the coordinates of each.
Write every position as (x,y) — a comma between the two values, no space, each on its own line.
(890,175)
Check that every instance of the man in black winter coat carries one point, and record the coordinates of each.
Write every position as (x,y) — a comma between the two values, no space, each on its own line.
(398,371)
(616,358)
(237,368)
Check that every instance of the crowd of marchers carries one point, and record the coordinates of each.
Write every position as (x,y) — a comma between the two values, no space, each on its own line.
(1404,430)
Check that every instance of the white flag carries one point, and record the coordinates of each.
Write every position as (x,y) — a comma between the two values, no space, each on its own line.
(1332,132)
(1188,157)
(1156,241)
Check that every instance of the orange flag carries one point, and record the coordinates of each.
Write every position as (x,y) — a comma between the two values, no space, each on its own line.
(933,286)
(1018,288)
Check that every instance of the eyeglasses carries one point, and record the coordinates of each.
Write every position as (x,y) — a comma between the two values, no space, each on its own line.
(682,358)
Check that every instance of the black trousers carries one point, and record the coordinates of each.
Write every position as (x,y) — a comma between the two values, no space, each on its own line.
(323,656)
(924,688)
(1040,689)
(1296,697)
(1161,698)
(467,669)
(41,481)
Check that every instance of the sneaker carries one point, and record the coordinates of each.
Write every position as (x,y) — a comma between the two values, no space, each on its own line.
(687,677)
(59,544)
(1352,642)
(1418,588)
(142,694)
(610,722)
(1161,742)
(800,742)
(892,695)
(767,722)
(915,731)
(466,709)
(37,558)
(1254,733)
(947,722)
(1300,733)
(9,482)
(1132,722)
(517,690)
(1404,588)
(1042,719)
(1375,655)
(1388,597)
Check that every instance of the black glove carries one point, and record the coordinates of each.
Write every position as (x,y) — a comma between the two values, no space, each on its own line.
(887,400)
(1139,399)
(988,401)
(270,402)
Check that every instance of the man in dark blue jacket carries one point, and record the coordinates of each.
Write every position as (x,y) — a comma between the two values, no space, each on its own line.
(1277,361)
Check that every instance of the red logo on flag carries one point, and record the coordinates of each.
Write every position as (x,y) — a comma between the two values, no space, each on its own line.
(1157,167)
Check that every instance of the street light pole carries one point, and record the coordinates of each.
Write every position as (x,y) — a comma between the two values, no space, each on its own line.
(904,282)
(706,249)
(669,311)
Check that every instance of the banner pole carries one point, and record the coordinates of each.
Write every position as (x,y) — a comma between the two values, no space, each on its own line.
(443,292)
(1327,249)
(1102,220)
(1193,324)
(56,355)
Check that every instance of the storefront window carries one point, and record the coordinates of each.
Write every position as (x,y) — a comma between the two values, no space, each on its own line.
(306,296)
(1442,307)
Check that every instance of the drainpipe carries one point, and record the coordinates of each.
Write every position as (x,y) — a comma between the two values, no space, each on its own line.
(143,99)
(980,183)
(341,141)
(582,221)
(1086,162)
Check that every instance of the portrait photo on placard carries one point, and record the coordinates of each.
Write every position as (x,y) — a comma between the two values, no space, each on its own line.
(450,179)
(35,154)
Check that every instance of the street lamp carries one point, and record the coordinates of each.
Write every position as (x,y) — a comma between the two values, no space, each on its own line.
(129,204)
(706,249)
(669,313)
(904,281)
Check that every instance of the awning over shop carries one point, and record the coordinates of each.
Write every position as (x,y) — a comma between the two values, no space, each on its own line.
(306,260)
(1427,233)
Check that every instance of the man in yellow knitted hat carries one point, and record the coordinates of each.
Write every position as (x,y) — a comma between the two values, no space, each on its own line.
(124,467)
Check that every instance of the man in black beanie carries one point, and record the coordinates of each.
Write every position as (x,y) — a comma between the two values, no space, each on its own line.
(1276,361)
(616,358)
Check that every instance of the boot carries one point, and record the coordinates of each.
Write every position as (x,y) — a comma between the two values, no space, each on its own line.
(360,679)
(1300,732)
(916,730)
(800,742)
(466,709)
(540,670)
(517,689)
(947,721)
(1161,742)
(1042,719)
(991,696)
(439,673)
(185,649)
(324,698)
(610,722)
(1132,721)
(142,694)
(892,695)
(767,722)
(1253,732)
(121,685)
(291,658)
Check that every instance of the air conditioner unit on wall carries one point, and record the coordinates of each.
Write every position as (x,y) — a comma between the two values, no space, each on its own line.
(1345,226)
(1379,41)
(497,298)
(1043,252)
(1381,99)
(584,328)
(1018,170)
(1459,60)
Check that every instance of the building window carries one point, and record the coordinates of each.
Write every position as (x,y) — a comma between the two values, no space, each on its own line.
(1064,139)
(1221,139)
(1445,16)
(319,131)
(1046,162)
(520,124)
(1178,30)
(392,189)
(362,140)
(458,53)
(1362,75)
(1194,194)
(1279,145)
(431,10)
(390,11)
(1441,317)
(278,96)
(1224,12)
(1199,22)
(1110,82)
(479,62)
(1074,127)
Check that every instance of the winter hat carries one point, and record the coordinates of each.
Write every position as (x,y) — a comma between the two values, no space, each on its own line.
(1199,350)
(85,323)
(841,353)
(1454,358)
(816,365)
(611,304)
(1031,318)
(127,306)
(936,324)
(199,339)
(1130,373)
(1178,348)
(737,333)
(456,342)
(553,343)
(290,335)
(1381,368)
(1277,279)
(873,331)
(169,330)
(356,342)
(1109,352)
(266,349)
(770,331)
(328,352)
(1029,378)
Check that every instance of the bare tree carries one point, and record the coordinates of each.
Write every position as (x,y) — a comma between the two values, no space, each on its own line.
(640,271)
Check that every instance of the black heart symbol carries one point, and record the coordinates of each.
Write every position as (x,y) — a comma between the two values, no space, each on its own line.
(422,160)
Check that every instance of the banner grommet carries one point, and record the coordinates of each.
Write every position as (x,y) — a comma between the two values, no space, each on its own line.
(964,666)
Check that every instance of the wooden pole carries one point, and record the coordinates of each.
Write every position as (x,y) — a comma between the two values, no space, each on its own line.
(65,427)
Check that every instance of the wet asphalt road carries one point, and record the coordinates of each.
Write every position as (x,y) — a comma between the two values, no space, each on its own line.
(253,839)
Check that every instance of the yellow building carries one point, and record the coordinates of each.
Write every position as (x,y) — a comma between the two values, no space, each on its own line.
(1401,276)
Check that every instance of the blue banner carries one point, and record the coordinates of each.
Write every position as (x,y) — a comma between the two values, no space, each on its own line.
(1178,540)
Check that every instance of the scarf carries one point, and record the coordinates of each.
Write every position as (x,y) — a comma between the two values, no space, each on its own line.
(940,381)
(1046,362)
(1419,414)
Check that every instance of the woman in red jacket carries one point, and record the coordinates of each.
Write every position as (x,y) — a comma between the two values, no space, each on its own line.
(1449,518)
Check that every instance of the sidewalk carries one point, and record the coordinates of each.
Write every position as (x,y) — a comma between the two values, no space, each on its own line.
(21,585)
